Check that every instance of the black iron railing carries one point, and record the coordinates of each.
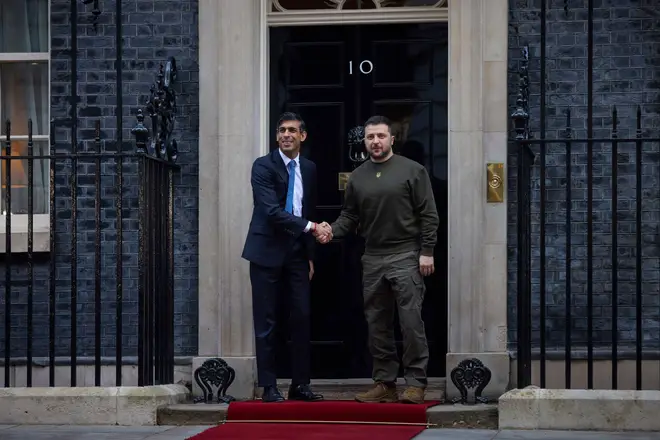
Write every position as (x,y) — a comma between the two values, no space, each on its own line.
(88,254)
(111,217)
(624,237)
(587,266)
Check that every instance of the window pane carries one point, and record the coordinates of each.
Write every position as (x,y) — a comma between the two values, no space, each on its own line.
(23,96)
(409,3)
(19,179)
(292,5)
(24,25)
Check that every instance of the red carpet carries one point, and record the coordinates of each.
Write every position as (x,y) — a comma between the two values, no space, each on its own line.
(327,420)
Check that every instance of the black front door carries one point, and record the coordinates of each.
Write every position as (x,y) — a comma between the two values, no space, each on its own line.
(335,77)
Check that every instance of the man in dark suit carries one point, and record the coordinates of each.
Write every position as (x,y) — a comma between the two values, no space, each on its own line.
(280,248)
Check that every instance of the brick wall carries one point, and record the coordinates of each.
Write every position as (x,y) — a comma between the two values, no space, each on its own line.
(153,30)
(626,74)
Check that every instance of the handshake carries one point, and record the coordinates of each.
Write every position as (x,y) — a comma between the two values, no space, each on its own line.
(323,232)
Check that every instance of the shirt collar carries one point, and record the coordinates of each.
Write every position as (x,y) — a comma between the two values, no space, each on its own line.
(286,159)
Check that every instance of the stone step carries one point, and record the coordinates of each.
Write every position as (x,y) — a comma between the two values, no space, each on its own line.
(346,389)
(440,416)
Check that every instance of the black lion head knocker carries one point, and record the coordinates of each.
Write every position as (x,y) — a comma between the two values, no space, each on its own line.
(357,153)
(214,373)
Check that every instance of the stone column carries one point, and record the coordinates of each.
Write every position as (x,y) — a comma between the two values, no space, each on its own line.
(229,57)
(477,229)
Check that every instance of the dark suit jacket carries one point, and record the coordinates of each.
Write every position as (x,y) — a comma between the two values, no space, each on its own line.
(272,229)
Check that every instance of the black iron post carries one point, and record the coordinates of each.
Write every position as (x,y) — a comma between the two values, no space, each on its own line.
(521,126)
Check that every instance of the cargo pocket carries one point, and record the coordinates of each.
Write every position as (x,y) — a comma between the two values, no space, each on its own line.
(420,287)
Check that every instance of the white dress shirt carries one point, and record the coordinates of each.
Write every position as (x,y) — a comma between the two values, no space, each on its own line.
(297,187)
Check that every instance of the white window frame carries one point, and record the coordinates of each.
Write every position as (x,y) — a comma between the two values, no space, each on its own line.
(335,14)
(19,222)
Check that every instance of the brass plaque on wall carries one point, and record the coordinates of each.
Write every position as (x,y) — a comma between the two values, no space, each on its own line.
(343,180)
(495,182)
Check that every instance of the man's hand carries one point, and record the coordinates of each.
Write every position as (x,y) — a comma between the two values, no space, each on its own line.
(311,270)
(426,265)
(323,233)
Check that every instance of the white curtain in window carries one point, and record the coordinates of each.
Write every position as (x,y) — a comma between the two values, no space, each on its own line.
(24,25)
(24,95)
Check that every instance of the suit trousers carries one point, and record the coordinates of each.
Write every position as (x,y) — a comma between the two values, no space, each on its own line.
(269,284)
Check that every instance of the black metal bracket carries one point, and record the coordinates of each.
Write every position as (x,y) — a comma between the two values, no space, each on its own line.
(161,108)
(214,373)
(96,12)
(469,374)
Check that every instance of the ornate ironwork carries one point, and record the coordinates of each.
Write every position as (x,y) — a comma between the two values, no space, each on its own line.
(161,108)
(96,12)
(520,115)
(214,373)
(469,374)
(357,153)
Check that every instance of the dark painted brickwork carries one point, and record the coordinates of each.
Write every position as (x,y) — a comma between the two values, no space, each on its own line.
(626,74)
(153,30)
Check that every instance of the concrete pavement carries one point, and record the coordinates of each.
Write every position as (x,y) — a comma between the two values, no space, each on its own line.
(45,432)
(478,434)
(183,432)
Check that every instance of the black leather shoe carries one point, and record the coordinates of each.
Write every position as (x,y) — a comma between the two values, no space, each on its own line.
(303,392)
(271,394)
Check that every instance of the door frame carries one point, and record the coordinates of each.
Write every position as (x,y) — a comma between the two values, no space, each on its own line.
(478,230)
(326,18)
(337,18)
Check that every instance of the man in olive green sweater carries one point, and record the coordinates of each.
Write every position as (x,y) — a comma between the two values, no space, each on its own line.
(390,199)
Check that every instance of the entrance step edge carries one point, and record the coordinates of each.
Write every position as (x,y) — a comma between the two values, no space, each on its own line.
(441,416)
(346,389)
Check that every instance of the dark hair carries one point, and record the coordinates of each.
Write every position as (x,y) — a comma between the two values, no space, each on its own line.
(377,120)
(291,116)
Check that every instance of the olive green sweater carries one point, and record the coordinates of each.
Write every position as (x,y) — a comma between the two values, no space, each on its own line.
(392,203)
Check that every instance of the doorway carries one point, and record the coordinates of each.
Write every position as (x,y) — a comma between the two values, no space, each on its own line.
(335,77)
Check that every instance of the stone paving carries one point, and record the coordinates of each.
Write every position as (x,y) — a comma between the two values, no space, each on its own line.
(477,434)
(184,432)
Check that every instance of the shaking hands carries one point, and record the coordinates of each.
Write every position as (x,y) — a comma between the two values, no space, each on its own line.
(323,232)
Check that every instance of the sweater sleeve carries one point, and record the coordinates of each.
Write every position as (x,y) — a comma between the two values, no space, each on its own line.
(424,205)
(349,217)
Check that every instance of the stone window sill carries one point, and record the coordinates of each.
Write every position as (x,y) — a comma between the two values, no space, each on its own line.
(19,233)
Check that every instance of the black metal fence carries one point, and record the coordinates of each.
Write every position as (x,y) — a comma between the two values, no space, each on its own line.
(79,183)
(626,220)
(587,226)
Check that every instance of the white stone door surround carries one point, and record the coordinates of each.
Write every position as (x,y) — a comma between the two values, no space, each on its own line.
(233,53)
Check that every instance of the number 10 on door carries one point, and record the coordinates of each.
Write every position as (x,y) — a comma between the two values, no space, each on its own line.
(366,67)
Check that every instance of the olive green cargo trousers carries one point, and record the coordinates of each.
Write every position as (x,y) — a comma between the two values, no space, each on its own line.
(395,281)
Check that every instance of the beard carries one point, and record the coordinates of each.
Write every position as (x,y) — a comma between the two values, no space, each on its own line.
(380,154)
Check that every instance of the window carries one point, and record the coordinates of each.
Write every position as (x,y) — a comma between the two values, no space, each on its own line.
(343,5)
(25,95)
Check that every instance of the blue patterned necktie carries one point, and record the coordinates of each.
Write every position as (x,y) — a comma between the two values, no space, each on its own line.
(292,183)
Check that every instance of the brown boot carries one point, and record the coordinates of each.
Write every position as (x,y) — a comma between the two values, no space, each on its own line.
(380,393)
(413,395)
